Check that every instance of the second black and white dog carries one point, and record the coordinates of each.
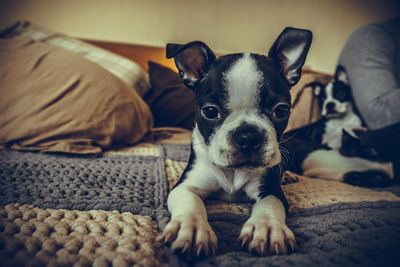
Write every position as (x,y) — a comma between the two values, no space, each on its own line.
(331,147)
(243,106)
(337,111)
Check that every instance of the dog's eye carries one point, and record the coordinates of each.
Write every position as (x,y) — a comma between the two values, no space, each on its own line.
(210,113)
(281,111)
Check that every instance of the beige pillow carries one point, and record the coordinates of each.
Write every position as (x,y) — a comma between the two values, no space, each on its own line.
(53,100)
(125,69)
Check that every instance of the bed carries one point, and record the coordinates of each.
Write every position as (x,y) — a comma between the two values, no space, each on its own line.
(97,197)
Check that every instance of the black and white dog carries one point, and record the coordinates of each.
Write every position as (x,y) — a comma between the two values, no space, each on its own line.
(337,109)
(338,113)
(331,147)
(243,106)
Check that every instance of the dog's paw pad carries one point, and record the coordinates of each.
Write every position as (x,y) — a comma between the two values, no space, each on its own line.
(289,178)
(265,237)
(190,237)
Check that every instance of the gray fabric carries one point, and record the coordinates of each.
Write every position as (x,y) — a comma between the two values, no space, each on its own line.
(346,234)
(126,183)
(371,57)
(177,152)
(395,189)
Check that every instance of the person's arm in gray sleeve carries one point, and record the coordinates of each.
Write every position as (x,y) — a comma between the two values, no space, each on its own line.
(369,58)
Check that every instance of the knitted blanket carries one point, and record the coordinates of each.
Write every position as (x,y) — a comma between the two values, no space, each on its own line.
(61,210)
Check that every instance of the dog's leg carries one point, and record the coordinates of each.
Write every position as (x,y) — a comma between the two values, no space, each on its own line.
(265,232)
(188,231)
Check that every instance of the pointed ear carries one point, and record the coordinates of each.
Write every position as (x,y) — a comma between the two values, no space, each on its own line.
(289,51)
(341,75)
(173,49)
(192,60)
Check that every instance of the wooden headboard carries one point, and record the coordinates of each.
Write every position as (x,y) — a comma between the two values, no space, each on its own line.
(143,53)
(138,53)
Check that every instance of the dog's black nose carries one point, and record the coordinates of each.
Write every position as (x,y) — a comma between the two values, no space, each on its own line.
(330,107)
(248,139)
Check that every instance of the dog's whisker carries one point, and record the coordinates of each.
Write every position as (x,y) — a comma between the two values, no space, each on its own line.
(231,141)
(288,138)
(285,155)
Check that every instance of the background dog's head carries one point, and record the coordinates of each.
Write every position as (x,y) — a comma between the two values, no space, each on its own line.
(335,98)
(243,100)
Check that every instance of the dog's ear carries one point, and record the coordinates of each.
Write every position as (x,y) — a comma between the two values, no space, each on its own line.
(192,60)
(341,75)
(289,52)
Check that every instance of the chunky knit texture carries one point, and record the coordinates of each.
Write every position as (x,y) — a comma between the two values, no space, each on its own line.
(36,236)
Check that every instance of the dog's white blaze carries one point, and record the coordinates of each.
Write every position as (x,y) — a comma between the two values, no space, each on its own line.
(243,82)
(330,164)
(340,107)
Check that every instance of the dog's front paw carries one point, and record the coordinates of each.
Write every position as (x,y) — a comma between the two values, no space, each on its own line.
(190,236)
(267,237)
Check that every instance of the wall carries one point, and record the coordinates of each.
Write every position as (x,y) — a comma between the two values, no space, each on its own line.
(226,26)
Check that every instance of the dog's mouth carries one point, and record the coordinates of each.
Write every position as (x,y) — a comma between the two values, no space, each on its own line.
(247,165)
(335,114)
(252,162)
(335,111)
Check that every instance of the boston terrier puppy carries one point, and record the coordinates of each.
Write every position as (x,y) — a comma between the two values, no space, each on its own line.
(243,106)
(337,112)
(337,108)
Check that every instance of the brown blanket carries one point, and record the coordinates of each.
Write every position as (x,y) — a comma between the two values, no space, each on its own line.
(305,107)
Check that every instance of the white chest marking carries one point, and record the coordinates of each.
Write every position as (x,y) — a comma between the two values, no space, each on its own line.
(330,164)
(332,136)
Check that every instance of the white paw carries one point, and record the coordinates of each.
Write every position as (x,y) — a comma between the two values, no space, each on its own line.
(267,237)
(190,236)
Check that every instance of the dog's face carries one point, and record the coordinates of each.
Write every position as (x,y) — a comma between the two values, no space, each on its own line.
(335,97)
(243,100)
(243,108)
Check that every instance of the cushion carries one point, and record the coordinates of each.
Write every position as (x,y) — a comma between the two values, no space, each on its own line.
(171,103)
(53,100)
(123,68)
(305,106)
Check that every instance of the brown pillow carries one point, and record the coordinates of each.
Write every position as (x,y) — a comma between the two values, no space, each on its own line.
(171,103)
(54,100)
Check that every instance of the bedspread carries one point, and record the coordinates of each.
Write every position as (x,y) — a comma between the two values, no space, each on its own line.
(68,210)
